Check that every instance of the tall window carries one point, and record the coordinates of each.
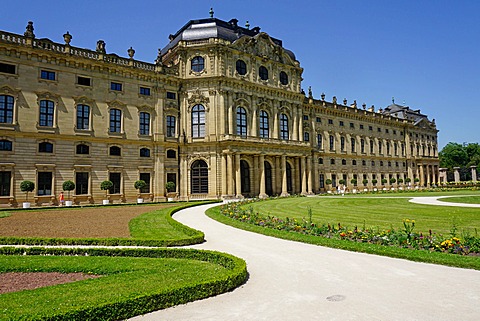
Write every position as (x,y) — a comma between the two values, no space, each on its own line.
(144,152)
(284,127)
(46,113)
(342,143)
(116,179)
(241,121)
(44,183)
(198,64)
(171,121)
(144,123)
(81,183)
(5,178)
(199,177)
(322,180)
(306,136)
(395,148)
(379,147)
(198,121)
(146,178)
(320,141)
(372,147)
(332,142)
(241,67)
(283,78)
(115,120)
(352,144)
(6,109)
(263,73)
(264,128)
(83,116)
(362,145)
(388,148)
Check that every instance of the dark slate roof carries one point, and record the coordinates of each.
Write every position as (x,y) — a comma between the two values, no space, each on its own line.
(215,28)
(404,112)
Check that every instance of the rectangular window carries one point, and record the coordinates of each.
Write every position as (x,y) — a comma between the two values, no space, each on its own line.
(145,91)
(83,117)
(7,68)
(330,121)
(379,129)
(306,136)
(44,183)
(46,113)
(81,183)
(386,130)
(352,125)
(322,180)
(319,141)
(5,178)
(84,81)
(305,117)
(145,177)
(361,126)
(172,177)
(115,178)
(48,75)
(370,128)
(144,123)
(115,120)
(319,120)
(116,86)
(171,95)
(171,122)
(341,123)
(6,109)
(332,142)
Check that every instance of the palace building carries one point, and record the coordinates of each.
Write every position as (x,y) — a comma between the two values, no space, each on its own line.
(221,113)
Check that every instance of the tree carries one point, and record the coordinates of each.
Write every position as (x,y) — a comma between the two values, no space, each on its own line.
(170,187)
(139,185)
(27,186)
(68,186)
(374,181)
(105,186)
(392,181)
(457,155)
(354,182)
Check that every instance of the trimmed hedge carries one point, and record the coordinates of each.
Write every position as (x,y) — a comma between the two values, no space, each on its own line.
(142,304)
(194,236)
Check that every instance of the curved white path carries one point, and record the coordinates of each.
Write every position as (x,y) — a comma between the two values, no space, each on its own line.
(296,281)
(435,200)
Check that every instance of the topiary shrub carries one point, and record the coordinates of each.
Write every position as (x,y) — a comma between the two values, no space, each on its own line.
(374,181)
(140,184)
(354,182)
(170,187)
(27,186)
(392,181)
(105,186)
(68,186)
(328,181)
(365,182)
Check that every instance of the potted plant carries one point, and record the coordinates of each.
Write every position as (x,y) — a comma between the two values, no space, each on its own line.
(170,187)
(374,182)
(408,180)
(384,181)
(328,181)
(140,184)
(400,181)
(27,186)
(105,186)
(68,186)
(341,182)
(354,183)
(365,182)
(416,180)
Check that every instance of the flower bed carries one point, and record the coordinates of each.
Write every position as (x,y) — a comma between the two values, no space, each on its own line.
(405,237)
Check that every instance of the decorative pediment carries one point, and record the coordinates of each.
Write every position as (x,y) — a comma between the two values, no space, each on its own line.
(48,96)
(116,104)
(146,108)
(198,98)
(83,100)
(7,90)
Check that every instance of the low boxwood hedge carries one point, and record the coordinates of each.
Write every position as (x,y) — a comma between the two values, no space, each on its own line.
(138,303)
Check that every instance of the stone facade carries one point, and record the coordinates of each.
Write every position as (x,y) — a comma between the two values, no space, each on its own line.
(221,113)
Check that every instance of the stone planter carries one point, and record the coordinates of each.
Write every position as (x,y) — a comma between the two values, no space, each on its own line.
(68,203)
(139,200)
(170,199)
(105,202)
(26,204)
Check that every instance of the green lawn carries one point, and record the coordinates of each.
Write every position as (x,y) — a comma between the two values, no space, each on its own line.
(379,211)
(464,199)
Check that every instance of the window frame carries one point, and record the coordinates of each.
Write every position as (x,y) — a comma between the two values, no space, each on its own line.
(264,126)
(7,109)
(44,183)
(115,120)
(283,78)
(171,126)
(6,145)
(263,73)
(241,122)
(46,114)
(145,152)
(241,67)
(144,120)
(48,75)
(46,147)
(197,64)
(198,117)
(284,128)
(83,117)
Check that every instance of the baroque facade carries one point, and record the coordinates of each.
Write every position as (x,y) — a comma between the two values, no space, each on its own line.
(221,113)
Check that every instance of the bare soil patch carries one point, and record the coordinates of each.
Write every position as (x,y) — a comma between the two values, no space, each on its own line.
(94,222)
(19,281)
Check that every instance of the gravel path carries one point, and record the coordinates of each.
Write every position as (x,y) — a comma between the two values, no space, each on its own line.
(435,200)
(296,281)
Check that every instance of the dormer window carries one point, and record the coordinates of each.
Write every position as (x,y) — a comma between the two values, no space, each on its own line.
(263,73)
(198,64)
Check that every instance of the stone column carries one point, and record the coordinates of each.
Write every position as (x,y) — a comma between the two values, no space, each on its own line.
(278,175)
(262,176)
(309,175)
(284,176)
(474,173)
(300,124)
(275,125)
(224,176)
(229,176)
(316,176)
(295,124)
(184,178)
(456,174)
(422,175)
(254,132)
(256,184)
(304,176)
(238,182)
(231,113)
(429,173)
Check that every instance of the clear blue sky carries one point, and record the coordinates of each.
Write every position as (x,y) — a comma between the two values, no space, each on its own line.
(424,53)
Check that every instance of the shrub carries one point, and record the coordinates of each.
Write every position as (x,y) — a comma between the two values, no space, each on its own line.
(374,181)
(392,180)
(170,186)
(140,184)
(408,180)
(365,182)
(354,182)
(384,181)
(342,181)
(105,186)
(27,186)
(68,186)
(400,181)
(328,181)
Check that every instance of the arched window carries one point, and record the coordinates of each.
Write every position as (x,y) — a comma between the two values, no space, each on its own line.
(6,145)
(332,161)
(245,176)
(144,152)
(198,121)
(264,127)
(115,120)
(83,117)
(199,177)
(46,113)
(6,109)
(320,161)
(263,73)
(342,143)
(144,123)
(45,147)
(332,142)
(284,127)
(171,153)
(320,141)
(198,64)
(344,162)
(352,143)
(372,147)
(241,122)
(241,67)
(362,145)
(379,147)
(83,149)
(115,151)
(283,78)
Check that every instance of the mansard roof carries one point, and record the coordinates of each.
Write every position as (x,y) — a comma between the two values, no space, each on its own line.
(404,112)
(215,28)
